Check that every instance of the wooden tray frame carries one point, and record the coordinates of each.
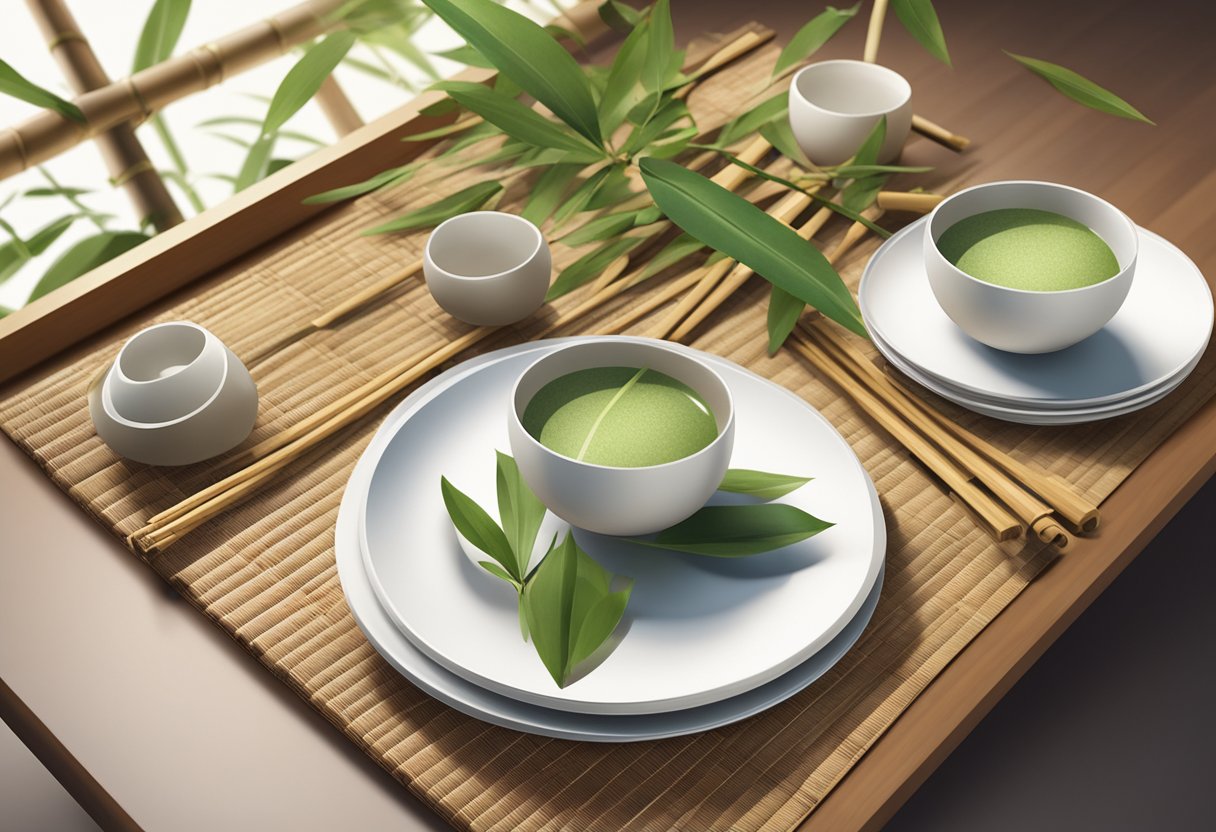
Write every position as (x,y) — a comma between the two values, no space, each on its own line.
(906,754)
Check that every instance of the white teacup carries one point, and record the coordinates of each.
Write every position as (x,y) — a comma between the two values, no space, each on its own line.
(175,395)
(1021,320)
(834,105)
(622,501)
(488,267)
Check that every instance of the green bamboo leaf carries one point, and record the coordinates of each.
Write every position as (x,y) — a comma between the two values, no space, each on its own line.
(305,78)
(276,165)
(622,87)
(467,55)
(468,199)
(513,118)
(1081,89)
(250,121)
(85,256)
(862,192)
(520,511)
(597,623)
(647,132)
(162,29)
(920,19)
(811,37)
(672,143)
(15,240)
(784,310)
(578,201)
(682,246)
(5,311)
(740,230)
(660,46)
(619,16)
(616,188)
(589,266)
(383,179)
(14,84)
(749,122)
(739,531)
(562,33)
(257,162)
(66,193)
(853,171)
(602,228)
(477,527)
(16,253)
(529,56)
(548,191)
(761,484)
(497,571)
(399,39)
(781,136)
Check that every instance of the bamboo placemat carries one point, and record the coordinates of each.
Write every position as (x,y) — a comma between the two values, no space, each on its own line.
(265,572)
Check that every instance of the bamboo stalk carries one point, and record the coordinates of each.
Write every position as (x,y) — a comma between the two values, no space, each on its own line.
(907,202)
(939,134)
(124,156)
(874,32)
(338,109)
(1036,514)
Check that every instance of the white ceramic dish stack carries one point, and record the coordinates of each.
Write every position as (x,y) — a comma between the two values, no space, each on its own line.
(1145,351)
(709,642)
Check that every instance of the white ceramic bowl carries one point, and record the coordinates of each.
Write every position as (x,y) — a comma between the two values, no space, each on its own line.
(622,501)
(487,267)
(175,395)
(1020,320)
(833,106)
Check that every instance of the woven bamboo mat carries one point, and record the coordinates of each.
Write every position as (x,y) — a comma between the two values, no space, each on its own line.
(265,572)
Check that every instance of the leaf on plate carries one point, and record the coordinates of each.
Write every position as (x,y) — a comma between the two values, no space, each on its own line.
(468,199)
(920,19)
(520,511)
(784,310)
(760,484)
(85,256)
(1081,89)
(571,609)
(305,78)
(528,55)
(589,266)
(810,37)
(478,528)
(162,29)
(739,531)
(14,84)
(732,225)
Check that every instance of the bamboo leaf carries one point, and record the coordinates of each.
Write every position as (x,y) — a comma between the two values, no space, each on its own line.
(920,19)
(257,162)
(16,253)
(781,136)
(384,179)
(1081,89)
(467,55)
(672,253)
(497,571)
(513,118)
(854,171)
(740,230)
(14,84)
(619,16)
(529,56)
(583,194)
(589,266)
(305,78)
(660,46)
(760,484)
(85,256)
(862,192)
(602,228)
(766,111)
(477,527)
(162,29)
(548,191)
(66,193)
(469,199)
(520,511)
(622,87)
(784,310)
(739,531)
(811,37)
(656,125)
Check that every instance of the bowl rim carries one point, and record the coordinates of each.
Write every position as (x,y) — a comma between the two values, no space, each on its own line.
(956,271)
(865,66)
(111,412)
(470,278)
(122,351)
(724,430)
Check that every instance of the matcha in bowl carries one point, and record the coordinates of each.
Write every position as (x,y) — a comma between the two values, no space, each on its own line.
(1029,267)
(621,436)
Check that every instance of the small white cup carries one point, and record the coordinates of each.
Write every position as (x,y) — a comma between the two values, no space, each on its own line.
(834,105)
(1021,320)
(175,395)
(487,267)
(622,501)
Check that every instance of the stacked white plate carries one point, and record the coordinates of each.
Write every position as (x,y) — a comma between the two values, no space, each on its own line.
(706,641)
(1147,350)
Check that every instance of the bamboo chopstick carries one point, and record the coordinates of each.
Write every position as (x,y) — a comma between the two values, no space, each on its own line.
(939,134)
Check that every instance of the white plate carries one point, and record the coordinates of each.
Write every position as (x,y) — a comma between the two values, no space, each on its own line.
(1030,416)
(499,710)
(699,629)
(1163,326)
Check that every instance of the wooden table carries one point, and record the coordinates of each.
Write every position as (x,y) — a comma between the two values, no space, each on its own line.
(107,729)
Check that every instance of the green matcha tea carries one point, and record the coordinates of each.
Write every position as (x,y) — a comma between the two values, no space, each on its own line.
(1025,248)
(624,417)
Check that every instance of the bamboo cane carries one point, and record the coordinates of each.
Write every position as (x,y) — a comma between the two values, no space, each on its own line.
(124,156)
(874,32)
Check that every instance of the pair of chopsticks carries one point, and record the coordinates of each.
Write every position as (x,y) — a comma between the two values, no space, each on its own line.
(1009,497)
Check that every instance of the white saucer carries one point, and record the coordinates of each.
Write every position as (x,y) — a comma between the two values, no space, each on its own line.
(490,707)
(699,629)
(1150,345)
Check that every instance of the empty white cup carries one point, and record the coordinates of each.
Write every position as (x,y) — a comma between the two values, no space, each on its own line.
(834,105)
(175,395)
(622,501)
(488,267)
(1021,320)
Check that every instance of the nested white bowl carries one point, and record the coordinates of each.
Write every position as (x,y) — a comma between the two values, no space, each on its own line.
(834,105)
(175,395)
(487,268)
(622,501)
(1022,320)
